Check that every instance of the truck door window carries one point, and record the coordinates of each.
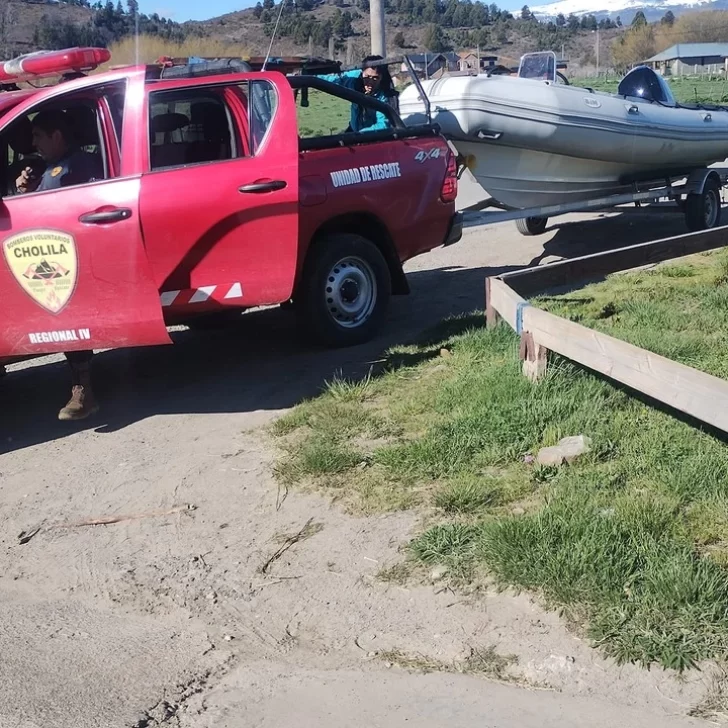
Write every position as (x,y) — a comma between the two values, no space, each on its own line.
(325,114)
(87,150)
(209,124)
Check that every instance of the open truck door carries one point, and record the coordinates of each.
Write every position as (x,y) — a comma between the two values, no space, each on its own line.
(74,273)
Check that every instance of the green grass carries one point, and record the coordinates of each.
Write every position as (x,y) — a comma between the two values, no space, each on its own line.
(677,309)
(631,539)
(686,89)
(324,115)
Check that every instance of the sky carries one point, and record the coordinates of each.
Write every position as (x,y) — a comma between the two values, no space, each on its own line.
(181,10)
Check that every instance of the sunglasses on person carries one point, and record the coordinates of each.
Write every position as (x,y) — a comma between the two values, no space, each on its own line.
(371,78)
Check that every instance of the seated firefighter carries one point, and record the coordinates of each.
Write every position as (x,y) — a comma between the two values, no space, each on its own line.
(66,164)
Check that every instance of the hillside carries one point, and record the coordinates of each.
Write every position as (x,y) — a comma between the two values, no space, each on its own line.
(411,26)
(341,27)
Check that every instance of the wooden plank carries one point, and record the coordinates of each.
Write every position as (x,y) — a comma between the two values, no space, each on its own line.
(504,300)
(697,394)
(530,281)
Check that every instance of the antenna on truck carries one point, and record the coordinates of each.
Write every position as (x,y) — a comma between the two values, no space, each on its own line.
(273,35)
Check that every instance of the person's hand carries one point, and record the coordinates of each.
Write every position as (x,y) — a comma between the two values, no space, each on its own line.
(27,181)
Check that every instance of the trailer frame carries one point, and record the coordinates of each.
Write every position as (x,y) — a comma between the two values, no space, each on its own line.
(696,192)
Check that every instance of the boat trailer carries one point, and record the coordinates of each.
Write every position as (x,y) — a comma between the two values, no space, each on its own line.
(696,193)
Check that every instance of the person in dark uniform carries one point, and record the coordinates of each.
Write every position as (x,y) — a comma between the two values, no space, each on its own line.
(66,165)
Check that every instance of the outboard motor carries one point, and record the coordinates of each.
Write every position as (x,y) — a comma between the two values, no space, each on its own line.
(644,83)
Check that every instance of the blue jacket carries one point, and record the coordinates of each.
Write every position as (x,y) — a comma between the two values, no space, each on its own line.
(362,119)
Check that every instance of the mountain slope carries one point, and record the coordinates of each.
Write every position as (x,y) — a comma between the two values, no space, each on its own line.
(624,9)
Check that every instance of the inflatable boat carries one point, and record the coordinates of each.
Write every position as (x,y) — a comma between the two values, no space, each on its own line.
(533,140)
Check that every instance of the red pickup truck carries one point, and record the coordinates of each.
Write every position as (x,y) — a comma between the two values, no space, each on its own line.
(207,199)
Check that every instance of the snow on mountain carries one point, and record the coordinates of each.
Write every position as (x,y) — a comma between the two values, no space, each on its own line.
(625,9)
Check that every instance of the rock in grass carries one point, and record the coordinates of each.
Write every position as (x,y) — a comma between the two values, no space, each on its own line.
(439,572)
(568,449)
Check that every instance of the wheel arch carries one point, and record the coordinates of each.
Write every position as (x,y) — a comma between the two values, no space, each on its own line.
(699,178)
(371,227)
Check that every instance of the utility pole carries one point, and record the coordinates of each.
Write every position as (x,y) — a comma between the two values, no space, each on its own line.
(597,51)
(376,18)
(331,48)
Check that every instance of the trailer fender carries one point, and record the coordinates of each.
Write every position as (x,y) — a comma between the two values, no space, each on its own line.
(698,179)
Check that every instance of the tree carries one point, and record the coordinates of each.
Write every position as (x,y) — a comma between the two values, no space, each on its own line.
(573,22)
(399,40)
(434,39)
(636,45)
(461,16)
(618,21)
(639,19)
(668,19)
(560,20)
(342,24)
(258,11)
(526,13)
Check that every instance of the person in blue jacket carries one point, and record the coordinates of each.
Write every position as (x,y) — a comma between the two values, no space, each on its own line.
(373,81)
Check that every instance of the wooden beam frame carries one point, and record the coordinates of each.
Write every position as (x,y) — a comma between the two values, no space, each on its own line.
(692,392)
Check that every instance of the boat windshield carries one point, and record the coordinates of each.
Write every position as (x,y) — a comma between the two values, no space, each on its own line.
(541,66)
(644,83)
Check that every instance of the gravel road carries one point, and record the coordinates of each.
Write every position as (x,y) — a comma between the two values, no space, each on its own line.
(168,619)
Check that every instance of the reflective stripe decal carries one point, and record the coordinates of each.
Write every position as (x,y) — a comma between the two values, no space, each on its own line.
(221,293)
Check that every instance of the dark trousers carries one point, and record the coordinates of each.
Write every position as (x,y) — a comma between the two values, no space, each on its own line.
(78,361)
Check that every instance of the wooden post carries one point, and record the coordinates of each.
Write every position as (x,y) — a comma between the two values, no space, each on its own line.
(491,315)
(534,356)
(331,48)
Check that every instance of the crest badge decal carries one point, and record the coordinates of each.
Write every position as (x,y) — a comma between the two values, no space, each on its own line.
(45,265)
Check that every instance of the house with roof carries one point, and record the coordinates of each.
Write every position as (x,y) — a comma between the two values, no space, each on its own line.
(428,64)
(434,65)
(469,61)
(684,59)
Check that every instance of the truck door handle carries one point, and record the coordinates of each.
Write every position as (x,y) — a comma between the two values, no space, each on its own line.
(105,216)
(258,187)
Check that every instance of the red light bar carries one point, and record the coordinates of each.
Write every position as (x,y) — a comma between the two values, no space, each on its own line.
(52,63)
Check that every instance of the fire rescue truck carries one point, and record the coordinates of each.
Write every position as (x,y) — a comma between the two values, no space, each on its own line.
(207,201)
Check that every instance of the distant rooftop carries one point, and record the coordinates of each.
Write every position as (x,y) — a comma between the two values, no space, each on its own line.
(691,50)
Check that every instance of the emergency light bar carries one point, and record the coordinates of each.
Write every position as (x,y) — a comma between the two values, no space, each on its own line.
(42,64)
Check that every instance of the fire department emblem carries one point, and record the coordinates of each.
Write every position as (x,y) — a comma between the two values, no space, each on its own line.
(45,265)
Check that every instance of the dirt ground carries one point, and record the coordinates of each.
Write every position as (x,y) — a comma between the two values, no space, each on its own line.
(176,620)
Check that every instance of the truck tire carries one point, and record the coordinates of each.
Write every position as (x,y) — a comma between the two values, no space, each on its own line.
(531,225)
(344,290)
(702,211)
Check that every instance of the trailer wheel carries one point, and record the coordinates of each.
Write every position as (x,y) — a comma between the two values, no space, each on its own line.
(344,290)
(532,225)
(702,211)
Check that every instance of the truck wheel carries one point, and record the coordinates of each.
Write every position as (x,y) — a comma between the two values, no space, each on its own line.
(345,290)
(532,225)
(702,211)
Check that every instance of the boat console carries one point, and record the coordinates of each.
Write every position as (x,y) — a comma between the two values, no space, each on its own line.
(646,84)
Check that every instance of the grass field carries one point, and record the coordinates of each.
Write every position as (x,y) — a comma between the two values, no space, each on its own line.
(631,539)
